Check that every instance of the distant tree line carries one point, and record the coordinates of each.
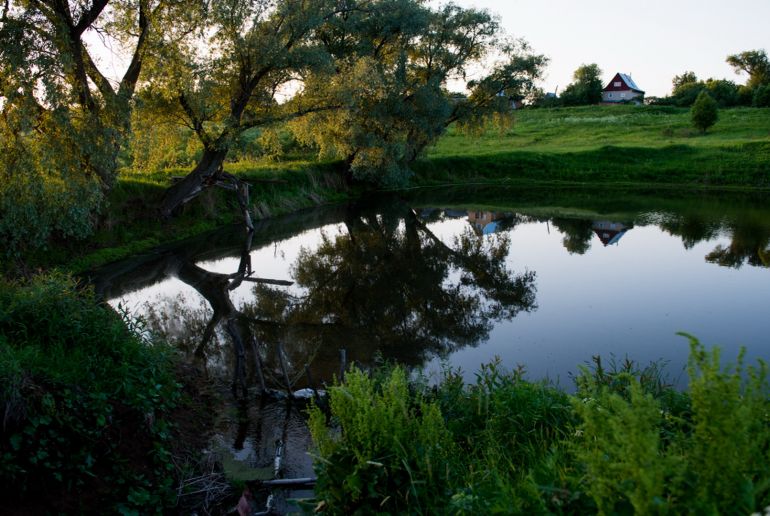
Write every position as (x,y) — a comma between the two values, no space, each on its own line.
(586,86)
(584,90)
(756,92)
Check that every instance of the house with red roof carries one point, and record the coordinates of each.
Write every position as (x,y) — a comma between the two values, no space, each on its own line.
(622,88)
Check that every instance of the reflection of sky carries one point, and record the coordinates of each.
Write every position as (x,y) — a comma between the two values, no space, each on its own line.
(627,299)
(272,261)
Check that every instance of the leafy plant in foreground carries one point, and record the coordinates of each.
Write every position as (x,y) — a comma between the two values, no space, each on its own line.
(391,452)
(626,442)
(84,401)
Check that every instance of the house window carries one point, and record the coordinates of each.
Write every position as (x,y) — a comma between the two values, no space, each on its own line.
(622,95)
(610,95)
(617,84)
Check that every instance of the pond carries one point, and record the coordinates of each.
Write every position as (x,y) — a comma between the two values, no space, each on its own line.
(539,277)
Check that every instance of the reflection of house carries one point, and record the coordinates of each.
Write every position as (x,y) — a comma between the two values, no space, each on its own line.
(609,232)
(455,214)
(485,222)
(622,88)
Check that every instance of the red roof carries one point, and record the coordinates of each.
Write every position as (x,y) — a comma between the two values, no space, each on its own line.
(626,84)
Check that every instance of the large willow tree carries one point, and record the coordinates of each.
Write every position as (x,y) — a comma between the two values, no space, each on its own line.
(63,119)
(393,62)
(255,51)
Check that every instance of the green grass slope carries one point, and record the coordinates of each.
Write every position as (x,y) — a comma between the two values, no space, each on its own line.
(619,144)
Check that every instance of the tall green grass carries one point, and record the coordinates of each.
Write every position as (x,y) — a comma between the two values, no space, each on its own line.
(625,442)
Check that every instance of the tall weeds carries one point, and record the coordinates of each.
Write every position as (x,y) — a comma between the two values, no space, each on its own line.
(625,442)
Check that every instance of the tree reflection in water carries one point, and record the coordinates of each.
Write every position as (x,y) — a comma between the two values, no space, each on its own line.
(390,287)
(750,238)
(387,288)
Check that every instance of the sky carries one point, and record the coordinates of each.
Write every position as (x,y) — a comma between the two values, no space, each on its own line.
(653,40)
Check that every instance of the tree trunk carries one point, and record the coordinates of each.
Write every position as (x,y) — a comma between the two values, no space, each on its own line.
(194,183)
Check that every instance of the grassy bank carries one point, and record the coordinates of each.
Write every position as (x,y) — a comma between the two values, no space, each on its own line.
(598,145)
(130,223)
(624,443)
(608,144)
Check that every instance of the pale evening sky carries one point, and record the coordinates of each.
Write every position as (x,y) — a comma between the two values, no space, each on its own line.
(653,40)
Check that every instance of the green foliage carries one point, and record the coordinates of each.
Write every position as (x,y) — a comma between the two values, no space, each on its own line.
(754,63)
(621,450)
(688,87)
(586,88)
(45,189)
(704,112)
(685,94)
(686,78)
(625,443)
(390,454)
(727,453)
(762,96)
(391,63)
(62,122)
(38,204)
(84,402)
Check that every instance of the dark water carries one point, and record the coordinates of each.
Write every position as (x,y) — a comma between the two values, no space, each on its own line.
(538,277)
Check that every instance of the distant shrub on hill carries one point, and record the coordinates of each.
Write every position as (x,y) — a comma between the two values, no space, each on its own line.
(704,112)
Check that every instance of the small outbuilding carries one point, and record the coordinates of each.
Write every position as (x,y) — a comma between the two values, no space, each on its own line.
(622,88)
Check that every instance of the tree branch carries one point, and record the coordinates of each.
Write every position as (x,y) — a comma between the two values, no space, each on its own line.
(131,77)
(89,17)
(195,121)
(102,83)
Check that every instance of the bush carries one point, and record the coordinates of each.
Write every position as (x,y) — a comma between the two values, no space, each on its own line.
(38,202)
(762,96)
(625,443)
(704,112)
(393,456)
(745,96)
(84,403)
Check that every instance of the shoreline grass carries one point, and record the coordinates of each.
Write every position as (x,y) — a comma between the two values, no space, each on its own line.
(603,146)
(626,442)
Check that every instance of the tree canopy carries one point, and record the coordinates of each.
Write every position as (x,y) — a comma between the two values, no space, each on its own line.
(64,120)
(365,81)
(704,112)
(586,87)
(393,62)
(755,64)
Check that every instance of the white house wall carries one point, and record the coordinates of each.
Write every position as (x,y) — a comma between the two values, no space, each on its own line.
(616,96)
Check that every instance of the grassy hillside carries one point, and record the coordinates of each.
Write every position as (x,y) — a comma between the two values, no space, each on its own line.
(626,144)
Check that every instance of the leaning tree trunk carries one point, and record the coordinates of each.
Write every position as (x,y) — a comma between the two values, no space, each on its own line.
(203,175)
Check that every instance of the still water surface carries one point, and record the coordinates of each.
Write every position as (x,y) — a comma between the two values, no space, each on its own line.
(542,278)
(538,278)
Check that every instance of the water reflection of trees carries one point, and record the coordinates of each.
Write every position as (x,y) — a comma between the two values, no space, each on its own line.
(749,238)
(387,287)
(390,287)
(578,234)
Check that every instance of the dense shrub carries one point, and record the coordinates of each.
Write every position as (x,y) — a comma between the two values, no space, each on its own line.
(626,442)
(44,190)
(704,112)
(394,455)
(84,401)
(762,96)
